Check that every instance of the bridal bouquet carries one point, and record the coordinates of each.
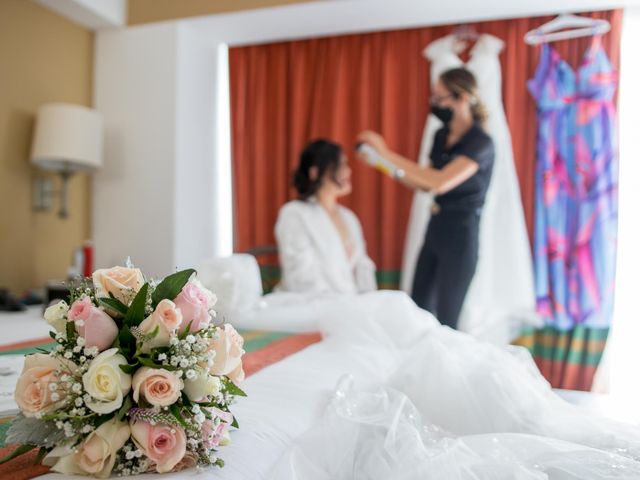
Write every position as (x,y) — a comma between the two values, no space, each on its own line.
(140,380)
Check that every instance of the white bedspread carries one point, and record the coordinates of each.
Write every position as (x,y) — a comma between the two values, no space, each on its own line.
(289,398)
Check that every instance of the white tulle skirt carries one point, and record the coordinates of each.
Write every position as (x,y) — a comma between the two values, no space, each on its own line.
(444,405)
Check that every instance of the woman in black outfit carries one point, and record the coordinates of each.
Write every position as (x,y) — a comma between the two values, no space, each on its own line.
(461,163)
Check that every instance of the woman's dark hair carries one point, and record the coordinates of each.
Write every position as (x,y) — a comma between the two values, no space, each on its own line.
(460,80)
(322,154)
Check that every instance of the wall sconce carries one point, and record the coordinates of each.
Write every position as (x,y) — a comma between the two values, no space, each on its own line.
(67,140)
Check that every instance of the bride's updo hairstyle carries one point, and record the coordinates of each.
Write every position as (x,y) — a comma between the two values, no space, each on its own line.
(325,157)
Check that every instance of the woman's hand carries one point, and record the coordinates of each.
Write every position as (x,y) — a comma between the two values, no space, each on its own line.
(375,140)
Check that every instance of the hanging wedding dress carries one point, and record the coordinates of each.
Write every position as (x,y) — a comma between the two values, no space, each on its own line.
(501,297)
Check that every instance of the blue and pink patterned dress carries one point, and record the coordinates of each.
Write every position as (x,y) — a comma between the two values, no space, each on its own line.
(576,189)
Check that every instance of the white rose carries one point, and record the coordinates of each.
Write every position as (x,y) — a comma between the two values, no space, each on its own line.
(56,316)
(95,456)
(106,382)
(166,318)
(204,385)
(123,283)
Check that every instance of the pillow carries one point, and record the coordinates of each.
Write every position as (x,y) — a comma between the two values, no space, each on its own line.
(235,280)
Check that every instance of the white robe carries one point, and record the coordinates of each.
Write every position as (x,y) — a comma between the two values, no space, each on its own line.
(313,258)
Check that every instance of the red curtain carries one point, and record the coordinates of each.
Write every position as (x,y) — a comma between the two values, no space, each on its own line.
(285,94)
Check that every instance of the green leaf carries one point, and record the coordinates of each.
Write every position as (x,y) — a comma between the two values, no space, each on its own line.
(233,389)
(154,333)
(53,334)
(161,349)
(149,362)
(185,400)
(135,314)
(41,454)
(186,331)
(124,409)
(100,419)
(129,369)
(235,423)
(114,304)
(175,411)
(21,450)
(126,342)
(33,431)
(171,286)
(71,331)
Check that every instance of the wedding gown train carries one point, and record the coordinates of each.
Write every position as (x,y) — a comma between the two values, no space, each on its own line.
(444,405)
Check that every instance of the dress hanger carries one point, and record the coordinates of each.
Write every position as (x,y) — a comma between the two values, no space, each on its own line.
(566,26)
(465,33)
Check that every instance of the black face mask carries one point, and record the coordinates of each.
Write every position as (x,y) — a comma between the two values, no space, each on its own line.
(444,114)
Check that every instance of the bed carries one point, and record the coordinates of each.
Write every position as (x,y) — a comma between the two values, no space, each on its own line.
(292,371)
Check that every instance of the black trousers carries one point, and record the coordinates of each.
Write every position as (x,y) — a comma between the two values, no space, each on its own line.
(446,264)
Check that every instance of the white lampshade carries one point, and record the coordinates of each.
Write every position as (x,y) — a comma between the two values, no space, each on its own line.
(67,138)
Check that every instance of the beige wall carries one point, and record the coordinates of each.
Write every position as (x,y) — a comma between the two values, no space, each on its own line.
(144,11)
(43,58)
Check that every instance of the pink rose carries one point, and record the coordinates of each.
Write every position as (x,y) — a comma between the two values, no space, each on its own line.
(158,386)
(166,318)
(212,435)
(123,283)
(96,327)
(33,392)
(228,359)
(195,303)
(165,445)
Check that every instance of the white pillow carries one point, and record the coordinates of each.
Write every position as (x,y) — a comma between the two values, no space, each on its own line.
(235,280)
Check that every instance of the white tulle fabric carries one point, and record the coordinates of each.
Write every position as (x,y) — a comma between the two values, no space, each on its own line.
(444,405)
(501,298)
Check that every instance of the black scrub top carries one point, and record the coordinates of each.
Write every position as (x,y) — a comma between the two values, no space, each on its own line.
(477,145)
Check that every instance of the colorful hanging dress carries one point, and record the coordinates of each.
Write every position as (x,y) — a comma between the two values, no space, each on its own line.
(576,189)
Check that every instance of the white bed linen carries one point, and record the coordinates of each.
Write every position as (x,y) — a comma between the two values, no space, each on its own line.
(23,326)
(372,337)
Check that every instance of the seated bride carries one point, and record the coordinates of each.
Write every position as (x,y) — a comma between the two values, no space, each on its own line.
(320,242)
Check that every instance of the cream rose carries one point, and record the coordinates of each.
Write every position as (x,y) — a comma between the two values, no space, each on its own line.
(204,385)
(56,316)
(228,347)
(165,445)
(237,374)
(166,318)
(34,393)
(158,386)
(189,460)
(95,456)
(123,283)
(106,382)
